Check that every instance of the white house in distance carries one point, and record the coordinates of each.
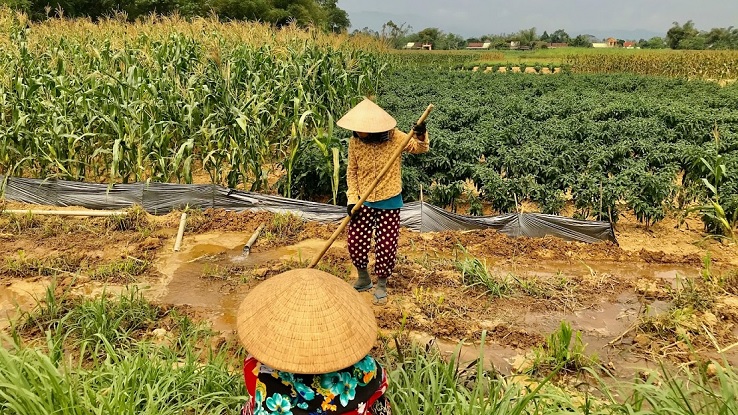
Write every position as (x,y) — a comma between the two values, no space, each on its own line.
(418,45)
(613,43)
(479,45)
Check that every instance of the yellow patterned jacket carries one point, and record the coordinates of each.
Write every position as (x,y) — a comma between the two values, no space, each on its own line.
(365,162)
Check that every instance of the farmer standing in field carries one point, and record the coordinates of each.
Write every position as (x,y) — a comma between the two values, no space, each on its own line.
(374,140)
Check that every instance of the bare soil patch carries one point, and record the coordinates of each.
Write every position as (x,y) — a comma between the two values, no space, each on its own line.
(622,298)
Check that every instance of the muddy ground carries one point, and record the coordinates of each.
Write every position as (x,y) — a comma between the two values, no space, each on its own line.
(654,297)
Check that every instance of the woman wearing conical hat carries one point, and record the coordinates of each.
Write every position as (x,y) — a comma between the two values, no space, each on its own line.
(375,139)
(308,335)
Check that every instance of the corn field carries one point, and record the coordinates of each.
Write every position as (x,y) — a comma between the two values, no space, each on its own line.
(453,59)
(718,65)
(158,100)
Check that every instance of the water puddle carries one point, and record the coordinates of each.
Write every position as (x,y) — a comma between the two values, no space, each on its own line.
(668,272)
(20,295)
(193,277)
(606,320)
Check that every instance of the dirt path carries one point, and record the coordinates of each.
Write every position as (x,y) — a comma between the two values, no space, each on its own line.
(602,290)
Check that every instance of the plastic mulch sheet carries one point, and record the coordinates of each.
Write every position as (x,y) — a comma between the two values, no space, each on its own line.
(161,198)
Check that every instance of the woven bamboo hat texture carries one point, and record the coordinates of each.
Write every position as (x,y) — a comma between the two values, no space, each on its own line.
(306,321)
(367,117)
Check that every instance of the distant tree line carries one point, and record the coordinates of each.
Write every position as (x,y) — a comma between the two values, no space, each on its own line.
(684,36)
(327,15)
(322,13)
(401,35)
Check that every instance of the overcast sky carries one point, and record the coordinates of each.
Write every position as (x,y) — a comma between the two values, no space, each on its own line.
(478,17)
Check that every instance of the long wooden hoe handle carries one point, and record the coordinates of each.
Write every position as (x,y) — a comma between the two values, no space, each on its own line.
(371,188)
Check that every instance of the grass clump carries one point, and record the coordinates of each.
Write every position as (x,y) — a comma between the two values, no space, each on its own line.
(196,221)
(24,266)
(432,306)
(91,322)
(135,219)
(694,315)
(283,228)
(19,223)
(124,270)
(563,350)
(475,274)
(423,381)
(685,391)
(73,356)
(693,294)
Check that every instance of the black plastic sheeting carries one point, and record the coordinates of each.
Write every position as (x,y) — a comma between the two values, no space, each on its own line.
(161,198)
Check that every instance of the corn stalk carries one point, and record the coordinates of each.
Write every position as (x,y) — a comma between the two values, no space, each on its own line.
(120,102)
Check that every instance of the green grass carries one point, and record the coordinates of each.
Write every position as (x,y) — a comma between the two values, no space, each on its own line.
(73,356)
(46,367)
(476,275)
(135,219)
(124,270)
(23,266)
(428,383)
(17,223)
(563,350)
(282,228)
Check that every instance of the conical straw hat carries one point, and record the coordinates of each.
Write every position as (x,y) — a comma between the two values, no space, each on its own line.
(367,117)
(306,321)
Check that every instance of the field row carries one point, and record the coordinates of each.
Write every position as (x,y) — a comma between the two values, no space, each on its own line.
(152,105)
(604,142)
(718,65)
(121,103)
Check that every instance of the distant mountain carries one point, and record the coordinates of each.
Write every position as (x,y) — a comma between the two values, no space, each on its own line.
(374,21)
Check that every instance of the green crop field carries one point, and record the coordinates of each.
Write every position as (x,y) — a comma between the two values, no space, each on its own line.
(119,103)
(713,65)
(643,135)
(604,142)
(236,104)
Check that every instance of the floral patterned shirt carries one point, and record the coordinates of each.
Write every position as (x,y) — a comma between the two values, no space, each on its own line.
(355,390)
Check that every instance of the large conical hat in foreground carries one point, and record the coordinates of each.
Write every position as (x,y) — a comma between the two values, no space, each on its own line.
(367,117)
(306,321)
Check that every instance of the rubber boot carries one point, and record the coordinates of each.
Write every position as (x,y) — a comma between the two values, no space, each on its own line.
(364,282)
(380,293)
